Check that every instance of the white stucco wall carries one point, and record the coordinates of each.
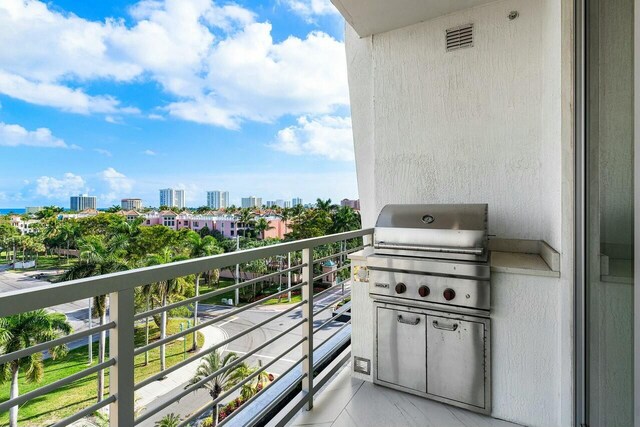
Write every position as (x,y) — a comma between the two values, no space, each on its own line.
(483,125)
(474,125)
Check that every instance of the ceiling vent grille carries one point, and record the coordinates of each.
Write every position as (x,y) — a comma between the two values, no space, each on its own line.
(459,37)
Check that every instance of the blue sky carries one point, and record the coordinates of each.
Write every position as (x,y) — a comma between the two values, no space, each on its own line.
(121,98)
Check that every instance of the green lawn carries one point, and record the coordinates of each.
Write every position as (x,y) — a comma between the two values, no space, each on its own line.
(46,262)
(70,399)
(283,300)
(204,288)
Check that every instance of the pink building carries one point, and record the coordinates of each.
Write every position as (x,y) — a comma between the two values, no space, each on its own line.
(227,225)
(353,204)
(280,228)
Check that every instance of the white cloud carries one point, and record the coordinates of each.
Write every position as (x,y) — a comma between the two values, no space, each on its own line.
(149,152)
(222,67)
(117,184)
(102,151)
(115,120)
(155,117)
(15,135)
(326,136)
(54,188)
(310,8)
(59,96)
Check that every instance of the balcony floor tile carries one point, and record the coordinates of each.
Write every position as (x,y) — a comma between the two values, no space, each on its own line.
(348,402)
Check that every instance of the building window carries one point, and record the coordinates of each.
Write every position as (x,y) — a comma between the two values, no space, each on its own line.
(196,224)
(232,232)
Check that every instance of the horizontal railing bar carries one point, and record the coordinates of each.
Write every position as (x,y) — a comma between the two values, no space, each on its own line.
(211,349)
(4,406)
(236,386)
(337,254)
(194,387)
(280,376)
(315,313)
(86,411)
(193,329)
(347,323)
(23,300)
(340,313)
(338,284)
(337,270)
(200,297)
(54,343)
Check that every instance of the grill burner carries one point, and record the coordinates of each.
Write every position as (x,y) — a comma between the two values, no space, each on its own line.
(429,281)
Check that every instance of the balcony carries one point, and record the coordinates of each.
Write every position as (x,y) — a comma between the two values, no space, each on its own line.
(301,344)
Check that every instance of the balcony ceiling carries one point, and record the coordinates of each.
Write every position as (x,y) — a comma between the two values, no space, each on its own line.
(378,16)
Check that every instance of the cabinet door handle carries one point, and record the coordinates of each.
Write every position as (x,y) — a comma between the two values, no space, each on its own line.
(408,322)
(445,327)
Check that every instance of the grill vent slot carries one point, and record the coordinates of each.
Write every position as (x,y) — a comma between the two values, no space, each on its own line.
(459,37)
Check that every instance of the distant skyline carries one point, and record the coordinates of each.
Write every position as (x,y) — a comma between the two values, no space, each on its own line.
(107,98)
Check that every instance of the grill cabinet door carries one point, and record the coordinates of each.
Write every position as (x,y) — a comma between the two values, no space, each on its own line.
(455,360)
(401,348)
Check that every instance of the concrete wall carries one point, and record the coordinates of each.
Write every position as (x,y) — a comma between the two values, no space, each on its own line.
(487,124)
(474,125)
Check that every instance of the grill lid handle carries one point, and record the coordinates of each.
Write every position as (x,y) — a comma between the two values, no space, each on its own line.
(444,249)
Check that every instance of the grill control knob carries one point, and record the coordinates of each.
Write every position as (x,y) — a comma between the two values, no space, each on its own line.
(424,291)
(401,288)
(449,294)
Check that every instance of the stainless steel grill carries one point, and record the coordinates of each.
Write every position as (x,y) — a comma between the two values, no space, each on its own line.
(429,282)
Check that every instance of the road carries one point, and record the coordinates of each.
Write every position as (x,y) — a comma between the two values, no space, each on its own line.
(77,312)
(239,323)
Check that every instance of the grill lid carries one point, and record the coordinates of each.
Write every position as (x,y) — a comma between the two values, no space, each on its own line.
(433,231)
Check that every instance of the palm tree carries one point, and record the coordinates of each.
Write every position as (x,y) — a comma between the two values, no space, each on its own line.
(211,363)
(169,420)
(199,247)
(246,218)
(251,388)
(324,205)
(23,331)
(97,258)
(69,233)
(165,290)
(146,291)
(345,219)
(261,226)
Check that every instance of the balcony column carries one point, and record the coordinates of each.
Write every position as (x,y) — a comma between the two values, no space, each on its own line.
(307,327)
(121,347)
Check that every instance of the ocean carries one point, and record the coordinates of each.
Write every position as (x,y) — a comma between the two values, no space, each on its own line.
(4,211)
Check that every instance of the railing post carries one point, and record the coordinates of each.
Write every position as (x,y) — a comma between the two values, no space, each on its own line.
(307,328)
(121,347)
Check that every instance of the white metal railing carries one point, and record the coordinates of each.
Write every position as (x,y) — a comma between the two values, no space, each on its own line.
(122,351)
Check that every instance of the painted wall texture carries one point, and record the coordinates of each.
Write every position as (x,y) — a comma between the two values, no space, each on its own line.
(479,125)
(476,125)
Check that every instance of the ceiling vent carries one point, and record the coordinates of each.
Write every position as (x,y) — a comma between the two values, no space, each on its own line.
(459,37)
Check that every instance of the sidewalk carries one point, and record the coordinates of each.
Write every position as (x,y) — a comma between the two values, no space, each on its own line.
(175,380)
